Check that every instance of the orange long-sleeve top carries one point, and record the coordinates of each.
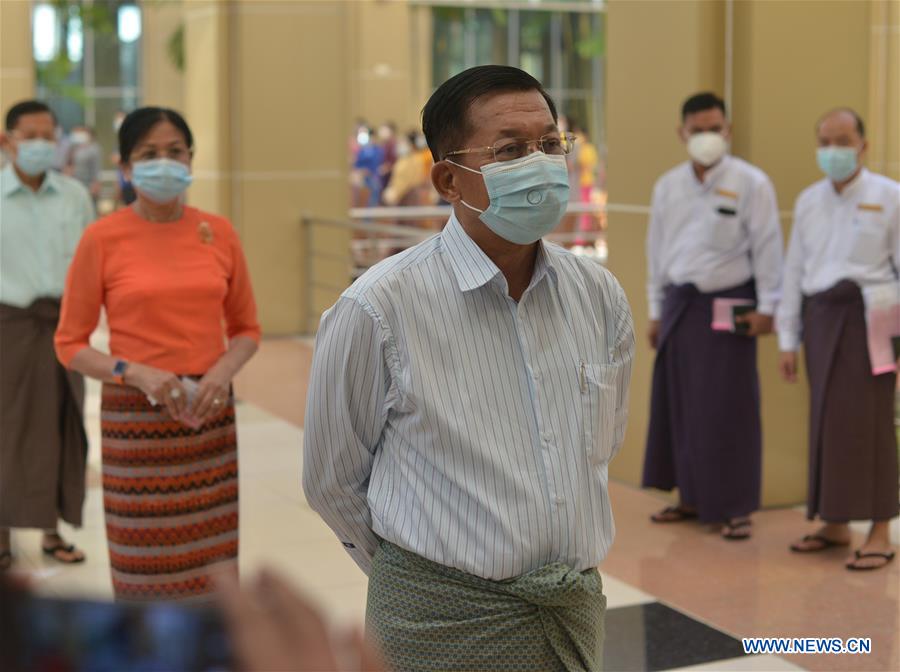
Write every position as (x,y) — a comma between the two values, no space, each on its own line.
(174,292)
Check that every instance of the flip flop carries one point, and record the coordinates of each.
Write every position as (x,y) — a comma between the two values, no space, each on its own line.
(679,514)
(731,527)
(853,567)
(825,542)
(54,551)
(6,559)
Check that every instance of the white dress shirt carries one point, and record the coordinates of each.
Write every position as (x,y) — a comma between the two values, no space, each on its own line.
(854,235)
(39,232)
(458,424)
(715,234)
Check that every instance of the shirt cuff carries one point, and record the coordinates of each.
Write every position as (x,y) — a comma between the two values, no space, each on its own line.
(766,308)
(788,341)
(655,310)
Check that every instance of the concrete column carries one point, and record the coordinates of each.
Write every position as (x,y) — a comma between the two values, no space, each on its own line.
(161,82)
(208,87)
(17,73)
(884,88)
(290,91)
(659,52)
(787,72)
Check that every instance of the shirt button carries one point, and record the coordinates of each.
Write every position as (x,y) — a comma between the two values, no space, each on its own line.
(536,376)
(546,439)
(559,500)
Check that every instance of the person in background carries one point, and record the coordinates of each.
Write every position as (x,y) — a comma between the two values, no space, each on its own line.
(714,235)
(846,238)
(369,162)
(466,398)
(387,138)
(124,190)
(182,323)
(43,446)
(85,159)
(62,148)
(407,177)
(587,167)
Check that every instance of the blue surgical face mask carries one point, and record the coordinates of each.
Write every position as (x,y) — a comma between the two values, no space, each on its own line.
(35,157)
(161,180)
(838,163)
(528,196)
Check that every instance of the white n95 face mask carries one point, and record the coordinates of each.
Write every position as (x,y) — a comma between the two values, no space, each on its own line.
(707,148)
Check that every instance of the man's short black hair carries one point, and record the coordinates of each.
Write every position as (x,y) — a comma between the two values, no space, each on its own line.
(700,102)
(860,126)
(19,110)
(445,117)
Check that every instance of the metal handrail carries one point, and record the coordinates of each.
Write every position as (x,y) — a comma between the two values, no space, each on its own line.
(364,220)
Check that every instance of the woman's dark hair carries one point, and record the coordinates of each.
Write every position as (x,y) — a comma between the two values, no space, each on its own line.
(445,117)
(138,124)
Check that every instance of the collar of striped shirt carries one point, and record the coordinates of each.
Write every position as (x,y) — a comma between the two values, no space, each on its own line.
(474,269)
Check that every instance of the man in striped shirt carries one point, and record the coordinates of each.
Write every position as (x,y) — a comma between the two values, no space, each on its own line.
(466,398)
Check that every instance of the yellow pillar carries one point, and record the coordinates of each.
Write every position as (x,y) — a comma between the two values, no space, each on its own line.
(787,72)
(658,53)
(884,88)
(208,88)
(161,82)
(383,68)
(267,90)
(16,61)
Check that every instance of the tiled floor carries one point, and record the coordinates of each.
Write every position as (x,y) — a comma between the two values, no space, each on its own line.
(678,595)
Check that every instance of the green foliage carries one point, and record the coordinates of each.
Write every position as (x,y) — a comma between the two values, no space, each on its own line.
(175,48)
(55,75)
(593,46)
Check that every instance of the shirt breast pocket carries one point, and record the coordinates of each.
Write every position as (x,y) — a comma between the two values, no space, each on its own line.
(724,227)
(869,239)
(598,383)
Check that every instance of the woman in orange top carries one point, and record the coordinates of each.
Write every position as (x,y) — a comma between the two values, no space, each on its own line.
(182,323)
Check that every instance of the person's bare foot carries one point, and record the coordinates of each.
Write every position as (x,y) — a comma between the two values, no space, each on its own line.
(827,536)
(54,545)
(876,552)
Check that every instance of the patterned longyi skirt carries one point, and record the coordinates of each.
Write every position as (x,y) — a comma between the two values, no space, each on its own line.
(170,494)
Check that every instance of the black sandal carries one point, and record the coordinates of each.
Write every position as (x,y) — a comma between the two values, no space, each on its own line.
(825,542)
(6,559)
(678,513)
(61,547)
(853,567)
(732,526)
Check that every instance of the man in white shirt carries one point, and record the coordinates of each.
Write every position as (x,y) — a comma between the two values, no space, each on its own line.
(714,237)
(845,240)
(43,446)
(466,397)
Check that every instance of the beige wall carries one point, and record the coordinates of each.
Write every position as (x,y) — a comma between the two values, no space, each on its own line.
(884,87)
(787,71)
(267,89)
(208,84)
(16,63)
(658,53)
(161,82)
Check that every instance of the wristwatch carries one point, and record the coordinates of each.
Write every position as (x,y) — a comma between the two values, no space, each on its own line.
(119,372)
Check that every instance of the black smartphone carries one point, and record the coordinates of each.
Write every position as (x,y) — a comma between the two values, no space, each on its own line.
(52,635)
(737,311)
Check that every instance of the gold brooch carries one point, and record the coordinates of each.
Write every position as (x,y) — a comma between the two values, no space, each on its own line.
(206,234)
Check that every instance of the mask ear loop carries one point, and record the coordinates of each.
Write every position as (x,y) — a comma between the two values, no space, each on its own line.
(471,170)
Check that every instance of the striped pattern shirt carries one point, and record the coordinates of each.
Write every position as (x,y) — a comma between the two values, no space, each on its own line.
(463,426)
